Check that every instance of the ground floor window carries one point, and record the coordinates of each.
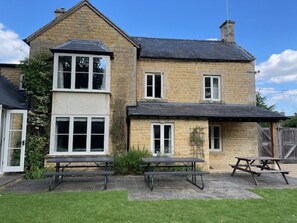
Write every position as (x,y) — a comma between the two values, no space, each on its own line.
(215,138)
(79,134)
(162,138)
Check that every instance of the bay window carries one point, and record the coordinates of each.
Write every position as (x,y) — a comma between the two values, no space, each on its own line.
(81,72)
(79,134)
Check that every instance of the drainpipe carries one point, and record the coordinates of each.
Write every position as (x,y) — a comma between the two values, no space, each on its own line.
(128,130)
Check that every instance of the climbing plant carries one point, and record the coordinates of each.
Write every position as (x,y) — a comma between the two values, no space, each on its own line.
(117,130)
(196,141)
(37,80)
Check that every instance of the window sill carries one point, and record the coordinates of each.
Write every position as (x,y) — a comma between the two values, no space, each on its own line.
(81,91)
(212,101)
(217,152)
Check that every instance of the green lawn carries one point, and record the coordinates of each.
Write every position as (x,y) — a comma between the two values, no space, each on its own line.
(277,205)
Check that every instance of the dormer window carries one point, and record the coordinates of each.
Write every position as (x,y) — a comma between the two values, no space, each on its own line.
(81,72)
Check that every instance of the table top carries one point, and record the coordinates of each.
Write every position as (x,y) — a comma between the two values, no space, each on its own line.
(171,159)
(258,158)
(80,159)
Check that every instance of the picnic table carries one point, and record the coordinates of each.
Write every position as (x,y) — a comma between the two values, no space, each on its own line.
(163,166)
(103,165)
(258,165)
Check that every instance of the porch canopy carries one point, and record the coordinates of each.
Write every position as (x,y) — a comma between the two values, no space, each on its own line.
(209,111)
(10,96)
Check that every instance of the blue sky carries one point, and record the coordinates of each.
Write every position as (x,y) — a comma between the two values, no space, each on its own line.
(266,28)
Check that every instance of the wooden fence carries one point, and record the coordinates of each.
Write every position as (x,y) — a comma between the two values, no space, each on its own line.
(287,143)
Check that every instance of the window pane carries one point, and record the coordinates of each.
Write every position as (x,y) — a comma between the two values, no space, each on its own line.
(79,134)
(207,93)
(62,143)
(98,81)
(149,91)
(99,72)
(209,137)
(82,73)
(149,80)
(149,86)
(64,72)
(158,87)
(62,125)
(157,133)
(216,143)
(167,146)
(215,88)
(97,143)
(207,82)
(80,125)
(99,65)
(97,125)
(62,134)
(157,146)
(216,132)
(167,131)
(79,143)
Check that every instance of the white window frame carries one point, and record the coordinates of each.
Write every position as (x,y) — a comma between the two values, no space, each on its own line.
(21,85)
(162,138)
(211,146)
(70,139)
(145,88)
(73,64)
(211,87)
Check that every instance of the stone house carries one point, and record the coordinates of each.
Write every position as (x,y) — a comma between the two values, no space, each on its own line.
(157,92)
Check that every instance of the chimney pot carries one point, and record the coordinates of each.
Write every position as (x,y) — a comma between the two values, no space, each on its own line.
(59,12)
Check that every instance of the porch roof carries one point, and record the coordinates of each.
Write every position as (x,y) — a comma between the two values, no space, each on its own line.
(83,46)
(210,111)
(10,95)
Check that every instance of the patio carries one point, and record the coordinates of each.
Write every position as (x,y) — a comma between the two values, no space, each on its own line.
(217,186)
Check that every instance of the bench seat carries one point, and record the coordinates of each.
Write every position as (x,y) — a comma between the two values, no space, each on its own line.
(180,173)
(58,176)
(149,177)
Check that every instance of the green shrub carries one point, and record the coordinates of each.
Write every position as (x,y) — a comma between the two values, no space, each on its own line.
(34,162)
(129,163)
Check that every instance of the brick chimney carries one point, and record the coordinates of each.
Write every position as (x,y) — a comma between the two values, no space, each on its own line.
(227,31)
(59,12)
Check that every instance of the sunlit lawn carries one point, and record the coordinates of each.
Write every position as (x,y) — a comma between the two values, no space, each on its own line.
(277,205)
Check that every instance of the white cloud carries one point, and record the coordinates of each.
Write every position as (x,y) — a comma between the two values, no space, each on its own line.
(279,68)
(285,100)
(12,48)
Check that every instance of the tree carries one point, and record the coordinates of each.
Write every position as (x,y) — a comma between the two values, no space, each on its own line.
(291,123)
(260,102)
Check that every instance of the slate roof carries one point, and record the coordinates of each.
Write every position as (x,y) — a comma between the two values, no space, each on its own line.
(201,50)
(10,95)
(83,46)
(210,111)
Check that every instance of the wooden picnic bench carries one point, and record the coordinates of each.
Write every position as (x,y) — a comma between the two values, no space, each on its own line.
(172,166)
(264,165)
(103,167)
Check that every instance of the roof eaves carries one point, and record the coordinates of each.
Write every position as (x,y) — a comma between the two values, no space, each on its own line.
(195,59)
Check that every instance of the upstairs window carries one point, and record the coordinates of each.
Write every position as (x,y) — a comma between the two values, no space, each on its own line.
(212,88)
(81,72)
(153,82)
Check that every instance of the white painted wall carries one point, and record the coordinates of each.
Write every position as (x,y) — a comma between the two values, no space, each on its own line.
(66,103)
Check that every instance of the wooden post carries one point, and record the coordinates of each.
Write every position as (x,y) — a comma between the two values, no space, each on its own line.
(274,139)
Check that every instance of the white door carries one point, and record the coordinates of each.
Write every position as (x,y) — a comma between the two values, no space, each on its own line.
(14,141)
